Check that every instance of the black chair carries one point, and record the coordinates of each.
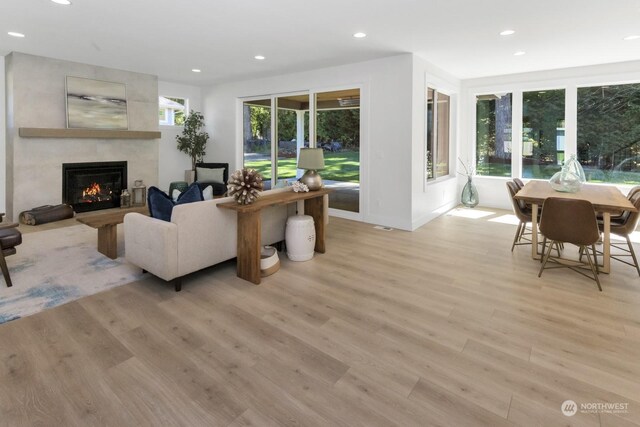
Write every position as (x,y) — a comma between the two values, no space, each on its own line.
(9,239)
(219,189)
(570,221)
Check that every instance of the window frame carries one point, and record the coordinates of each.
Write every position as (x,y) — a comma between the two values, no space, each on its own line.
(517,102)
(595,84)
(186,111)
(567,150)
(515,147)
(451,94)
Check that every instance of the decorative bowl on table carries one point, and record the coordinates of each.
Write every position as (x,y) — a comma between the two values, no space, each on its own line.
(570,178)
(565,182)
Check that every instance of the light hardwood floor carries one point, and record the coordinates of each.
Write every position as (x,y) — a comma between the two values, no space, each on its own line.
(443,326)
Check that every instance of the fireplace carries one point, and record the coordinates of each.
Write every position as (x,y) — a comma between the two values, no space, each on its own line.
(93,186)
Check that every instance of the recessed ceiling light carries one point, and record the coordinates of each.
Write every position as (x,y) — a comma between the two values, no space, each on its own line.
(259,57)
(507,32)
(195,70)
(64,2)
(14,34)
(519,53)
(633,37)
(359,35)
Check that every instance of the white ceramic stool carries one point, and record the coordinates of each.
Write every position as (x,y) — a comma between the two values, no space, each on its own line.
(300,237)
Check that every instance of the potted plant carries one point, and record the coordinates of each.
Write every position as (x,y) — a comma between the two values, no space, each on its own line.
(193,141)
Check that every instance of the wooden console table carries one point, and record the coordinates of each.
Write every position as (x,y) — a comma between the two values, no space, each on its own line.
(107,225)
(250,226)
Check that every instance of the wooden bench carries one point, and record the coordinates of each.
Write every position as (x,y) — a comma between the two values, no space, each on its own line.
(107,225)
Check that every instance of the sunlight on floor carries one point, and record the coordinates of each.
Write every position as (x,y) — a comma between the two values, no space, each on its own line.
(506,219)
(635,237)
(513,220)
(469,213)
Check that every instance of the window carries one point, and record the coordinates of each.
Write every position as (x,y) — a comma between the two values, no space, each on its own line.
(172,111)
(609,133)
(338,134)
(293,134)
(542,133)
(257,136)
(493,134)
(438,123)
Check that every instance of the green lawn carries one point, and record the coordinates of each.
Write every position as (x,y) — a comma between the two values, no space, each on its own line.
(342,166)
(545,172)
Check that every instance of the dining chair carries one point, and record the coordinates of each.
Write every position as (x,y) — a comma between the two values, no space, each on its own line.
(570,221)
(522,213)
(519,183)
(618,217)
(623,226)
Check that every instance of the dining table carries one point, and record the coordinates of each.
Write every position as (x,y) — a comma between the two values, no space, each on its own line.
(606,199)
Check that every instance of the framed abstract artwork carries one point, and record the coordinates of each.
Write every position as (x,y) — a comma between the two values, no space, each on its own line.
(96,104)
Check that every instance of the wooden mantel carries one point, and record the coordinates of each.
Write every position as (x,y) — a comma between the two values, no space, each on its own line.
(87,133)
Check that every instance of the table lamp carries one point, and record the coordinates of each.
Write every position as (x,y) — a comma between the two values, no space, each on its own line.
(311,159)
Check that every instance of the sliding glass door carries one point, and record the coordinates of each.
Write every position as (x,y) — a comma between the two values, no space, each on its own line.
(275,128)
(256,138)
(337,128)
(288,127)
(293,134)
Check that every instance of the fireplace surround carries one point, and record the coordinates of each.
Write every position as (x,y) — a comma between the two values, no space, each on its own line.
(94,185)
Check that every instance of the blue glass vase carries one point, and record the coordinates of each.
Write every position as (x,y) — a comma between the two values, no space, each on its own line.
(469,196)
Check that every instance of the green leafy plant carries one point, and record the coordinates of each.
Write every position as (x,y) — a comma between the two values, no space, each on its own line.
(193,140)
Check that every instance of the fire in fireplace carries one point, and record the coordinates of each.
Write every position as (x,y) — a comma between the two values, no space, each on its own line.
(94,193)
(93,186)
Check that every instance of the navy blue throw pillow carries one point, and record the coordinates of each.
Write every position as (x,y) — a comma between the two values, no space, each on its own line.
(193,193)
(160,204)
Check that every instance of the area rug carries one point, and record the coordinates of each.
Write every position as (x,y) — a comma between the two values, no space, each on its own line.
(54,267)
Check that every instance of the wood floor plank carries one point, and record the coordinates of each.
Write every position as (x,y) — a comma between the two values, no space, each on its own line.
(250,386)
(379,398)
(592,375)
(252,418)
(542,385)
(451,409)
(185,375)
(103,348)
(446,368)
(395,378)
(338,407)
(258,332)
(153,399)
(70,369)
(525,412)
(25,399)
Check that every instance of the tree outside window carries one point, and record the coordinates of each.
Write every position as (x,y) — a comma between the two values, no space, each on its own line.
(609,133)
(542,133)
(493,134)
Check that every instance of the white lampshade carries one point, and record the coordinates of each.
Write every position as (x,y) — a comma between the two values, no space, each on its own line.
(311,158)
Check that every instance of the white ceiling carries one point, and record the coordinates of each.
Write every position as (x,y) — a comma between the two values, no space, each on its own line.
(170,37)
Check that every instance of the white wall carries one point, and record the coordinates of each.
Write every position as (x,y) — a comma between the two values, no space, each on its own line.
(435,197)
(3,135)
(492,190)
(171,162)
(387,132)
